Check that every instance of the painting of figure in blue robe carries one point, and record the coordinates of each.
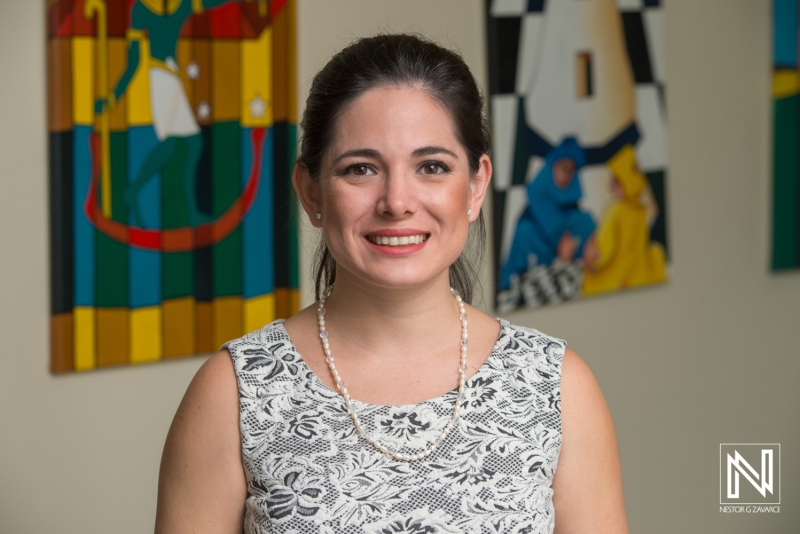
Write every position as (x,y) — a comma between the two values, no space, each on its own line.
(578,116)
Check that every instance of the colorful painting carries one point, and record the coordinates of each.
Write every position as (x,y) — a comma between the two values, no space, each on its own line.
(786,151)
(172,130)
(578,114)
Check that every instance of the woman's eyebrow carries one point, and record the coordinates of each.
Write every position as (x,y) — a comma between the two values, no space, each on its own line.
(431,150)
(372,153)
(359,153)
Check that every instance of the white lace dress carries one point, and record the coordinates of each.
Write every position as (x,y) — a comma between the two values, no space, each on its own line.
(308,472)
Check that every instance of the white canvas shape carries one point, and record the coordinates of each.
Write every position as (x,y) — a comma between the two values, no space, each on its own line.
(507,8)
(654,30)
(630,5)
(530,46)
(504,129)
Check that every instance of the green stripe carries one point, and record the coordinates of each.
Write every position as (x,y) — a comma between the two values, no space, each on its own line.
(177,267)
(786,212)
(226,184)
(112,256)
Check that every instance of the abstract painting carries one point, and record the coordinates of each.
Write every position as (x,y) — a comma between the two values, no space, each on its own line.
(786,142)
(172,130)
(578,115)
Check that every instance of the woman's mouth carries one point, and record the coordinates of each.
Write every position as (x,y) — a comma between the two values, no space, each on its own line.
(397,241)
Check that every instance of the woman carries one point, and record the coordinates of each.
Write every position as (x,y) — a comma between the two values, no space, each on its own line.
(353,416)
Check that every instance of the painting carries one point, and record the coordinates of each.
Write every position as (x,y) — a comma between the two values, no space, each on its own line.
(578,117)
(172,131)
(786,141)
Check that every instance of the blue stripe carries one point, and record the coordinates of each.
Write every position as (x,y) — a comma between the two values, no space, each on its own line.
(785,33)
(258,232)
(145,265)
(84,231)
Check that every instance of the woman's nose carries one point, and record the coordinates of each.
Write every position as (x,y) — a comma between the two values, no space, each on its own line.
(398,197)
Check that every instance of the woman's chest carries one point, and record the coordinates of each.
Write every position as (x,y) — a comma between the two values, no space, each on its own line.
(307,464)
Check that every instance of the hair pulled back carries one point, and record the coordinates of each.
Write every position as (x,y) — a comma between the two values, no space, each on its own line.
(397,60)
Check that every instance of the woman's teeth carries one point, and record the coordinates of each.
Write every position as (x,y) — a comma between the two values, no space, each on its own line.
(397,241)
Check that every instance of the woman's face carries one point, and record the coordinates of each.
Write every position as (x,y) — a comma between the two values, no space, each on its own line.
(395,190)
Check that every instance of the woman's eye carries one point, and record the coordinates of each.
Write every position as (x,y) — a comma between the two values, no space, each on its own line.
(434,168)
(359,170)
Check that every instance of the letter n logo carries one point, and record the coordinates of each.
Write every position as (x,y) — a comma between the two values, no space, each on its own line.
(758,464)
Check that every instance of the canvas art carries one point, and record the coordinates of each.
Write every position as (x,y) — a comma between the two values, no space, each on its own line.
(578,115)
(786,142)
(172,129)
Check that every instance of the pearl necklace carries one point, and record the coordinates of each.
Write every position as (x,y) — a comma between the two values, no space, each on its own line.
(390,452)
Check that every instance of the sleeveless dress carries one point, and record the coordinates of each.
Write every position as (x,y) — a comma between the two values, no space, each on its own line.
(308,471)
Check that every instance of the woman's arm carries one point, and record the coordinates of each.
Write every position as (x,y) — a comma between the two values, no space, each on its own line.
(587,488)
(201,486)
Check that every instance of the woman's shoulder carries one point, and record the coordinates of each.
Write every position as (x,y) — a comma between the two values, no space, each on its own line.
(266,339)
(525,339)
(264,354)
(526,350)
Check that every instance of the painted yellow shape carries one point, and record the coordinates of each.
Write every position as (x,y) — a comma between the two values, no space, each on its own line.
(185,54)
(83,97)
(205,328)
(258,311)
(225,90)
(179,327)
(85,339)
(138,93)
(294,301)
(228,324)
(785,83)
(112,336)
(146,335)
(256,88)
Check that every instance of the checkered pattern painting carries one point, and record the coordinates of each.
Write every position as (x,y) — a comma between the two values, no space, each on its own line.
(578,117)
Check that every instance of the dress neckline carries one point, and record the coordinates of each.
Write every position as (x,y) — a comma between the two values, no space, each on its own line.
(483,369)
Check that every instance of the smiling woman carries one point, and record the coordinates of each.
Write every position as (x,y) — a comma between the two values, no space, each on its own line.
(392,404)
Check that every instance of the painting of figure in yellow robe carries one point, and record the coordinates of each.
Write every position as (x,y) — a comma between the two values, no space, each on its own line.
(620,255)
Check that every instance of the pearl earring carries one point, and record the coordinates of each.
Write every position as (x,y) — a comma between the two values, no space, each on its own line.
(318,216)
(469,213)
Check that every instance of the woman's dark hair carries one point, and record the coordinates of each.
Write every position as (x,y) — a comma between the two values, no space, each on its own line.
(397,60)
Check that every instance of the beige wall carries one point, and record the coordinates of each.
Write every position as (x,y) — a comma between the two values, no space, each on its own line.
(711,357)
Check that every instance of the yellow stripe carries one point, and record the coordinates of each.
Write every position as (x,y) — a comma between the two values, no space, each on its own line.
(138,93)
(258,311)
(83,80)
(132,34)
(256,89)
(785,83)
(146,334)
(227,316)
(85,338)
(294,301)
(179,327)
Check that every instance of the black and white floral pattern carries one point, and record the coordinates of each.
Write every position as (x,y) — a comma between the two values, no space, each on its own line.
(308,472)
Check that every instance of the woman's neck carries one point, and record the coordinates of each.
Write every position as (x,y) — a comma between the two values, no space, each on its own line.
(391,322)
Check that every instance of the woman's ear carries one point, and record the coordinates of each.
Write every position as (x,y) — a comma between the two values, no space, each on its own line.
(308,192)
(479,184)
